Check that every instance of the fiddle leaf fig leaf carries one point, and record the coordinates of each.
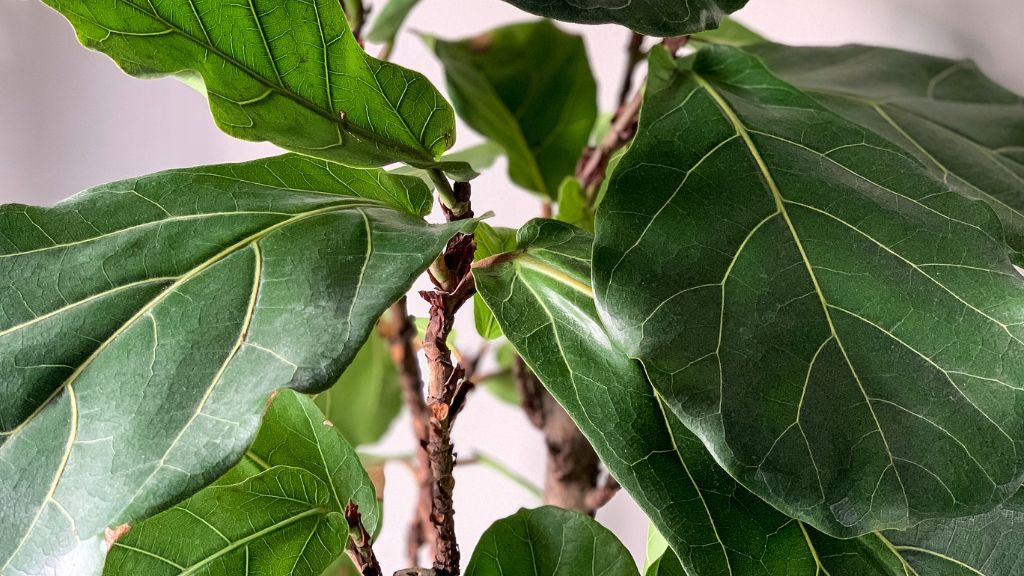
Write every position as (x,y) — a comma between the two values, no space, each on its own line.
(713,524)
(281,521)
(540,294)
(841,327)
(367,398)
(529,88)
(651,17)
(294,441)
(291,73)
(945,113)
(551,541)
(145,322)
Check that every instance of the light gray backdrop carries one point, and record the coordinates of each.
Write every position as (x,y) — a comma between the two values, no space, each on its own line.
(69,119)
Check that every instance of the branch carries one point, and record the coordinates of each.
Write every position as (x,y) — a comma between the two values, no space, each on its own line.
(573,467)
(447,384)
(634,55)
(360,545)
(590,171)
(401,334)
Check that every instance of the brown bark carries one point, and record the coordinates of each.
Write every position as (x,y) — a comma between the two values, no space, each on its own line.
(573,468)
(401,334)
(590,170)
(447,385)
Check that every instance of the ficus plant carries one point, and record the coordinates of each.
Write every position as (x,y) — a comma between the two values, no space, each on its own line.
(772,296)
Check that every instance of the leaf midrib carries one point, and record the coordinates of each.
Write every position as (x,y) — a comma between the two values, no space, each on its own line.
(776,193)
(338,121)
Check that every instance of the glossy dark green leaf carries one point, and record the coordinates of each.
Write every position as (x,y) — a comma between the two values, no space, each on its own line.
(145,322)
(840,326)
(367,398)
(529,88)
(390,19)
(651,17)
(550,541)
(288,72)
(714,525)
(213,533)
(281,521)
(946,113)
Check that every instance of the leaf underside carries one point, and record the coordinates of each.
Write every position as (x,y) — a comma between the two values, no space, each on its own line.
(540,295)
(287,72)
(651,17)
(841,327)
(145,322)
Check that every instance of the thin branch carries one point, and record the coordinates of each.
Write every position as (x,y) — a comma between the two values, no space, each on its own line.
(497,466)
(634,55)
(360,544)
(447,385)
(401,334)
(590,171)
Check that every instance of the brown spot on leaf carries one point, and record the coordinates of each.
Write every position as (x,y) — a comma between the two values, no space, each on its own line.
(110,535)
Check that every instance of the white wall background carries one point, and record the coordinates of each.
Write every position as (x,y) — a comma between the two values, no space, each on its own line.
(69,119)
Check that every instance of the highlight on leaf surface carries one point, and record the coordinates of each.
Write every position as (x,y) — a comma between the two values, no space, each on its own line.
(840,326)
(290,73)
(146,321)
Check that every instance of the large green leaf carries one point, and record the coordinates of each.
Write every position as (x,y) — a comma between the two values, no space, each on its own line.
(716,526)
(288,72)
(946,113)
(550,541)
(145,322)
(540,294)
(529,88)
(367,398)
(841,327)
(281,521)
(213,532)
(652,17)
